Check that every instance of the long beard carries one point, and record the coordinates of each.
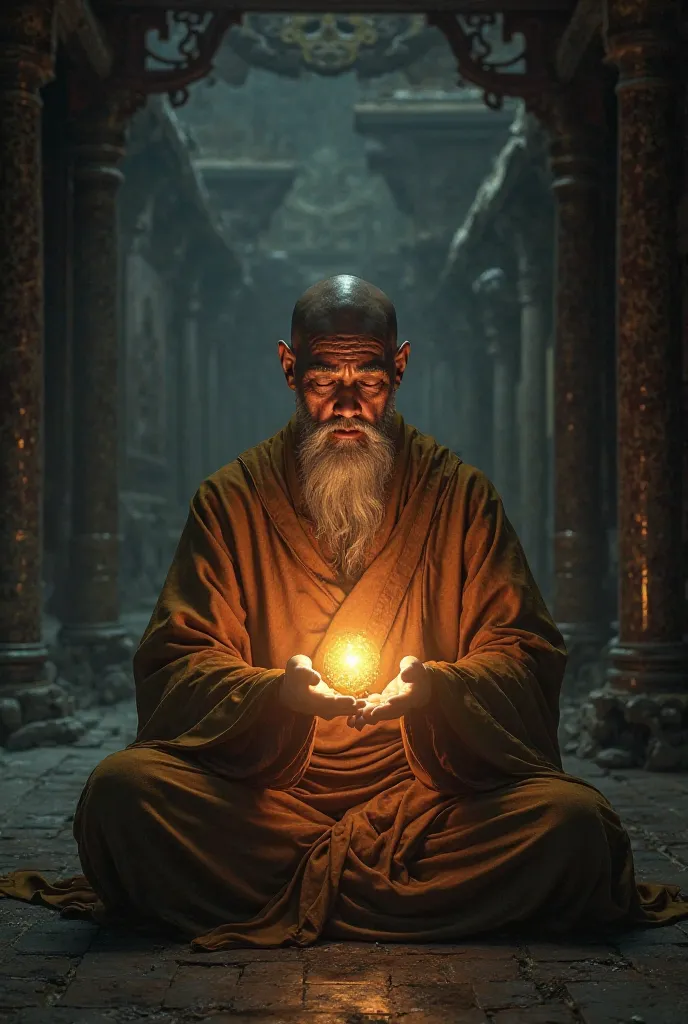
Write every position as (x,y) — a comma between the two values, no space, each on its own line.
(344,483)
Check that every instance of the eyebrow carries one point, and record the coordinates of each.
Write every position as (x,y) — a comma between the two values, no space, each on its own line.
(376,364)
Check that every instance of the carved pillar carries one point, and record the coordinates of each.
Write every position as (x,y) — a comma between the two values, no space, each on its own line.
(648,667)
(92,634)
(683,248)
(27,699)
(190,397)
(503,348)
(579,528)
(474,387)
(533,292)
(57,186)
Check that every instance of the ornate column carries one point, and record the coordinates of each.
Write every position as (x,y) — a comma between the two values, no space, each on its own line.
(93,641)
(503,347)
(648,662)
(533,292)
(58,219)
(579,528)
(28,701)
(474,393)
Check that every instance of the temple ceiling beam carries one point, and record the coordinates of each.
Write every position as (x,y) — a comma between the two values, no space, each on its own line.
(83,36)
(359,7)
(584,26)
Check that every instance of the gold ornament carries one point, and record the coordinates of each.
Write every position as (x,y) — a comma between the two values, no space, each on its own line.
(351,664)
(330,41)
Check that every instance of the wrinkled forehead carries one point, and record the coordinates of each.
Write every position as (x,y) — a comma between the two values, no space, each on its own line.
(322,320)
(338,351)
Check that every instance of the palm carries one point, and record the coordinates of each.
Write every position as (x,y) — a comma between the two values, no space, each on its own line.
(396,688)
(321,689)
(397,698)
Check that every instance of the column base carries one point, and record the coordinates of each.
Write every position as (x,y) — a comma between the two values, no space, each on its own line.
(36,709)
(639,717)
(96,659)
(586,643)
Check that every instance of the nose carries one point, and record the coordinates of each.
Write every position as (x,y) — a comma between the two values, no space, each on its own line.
(346,402)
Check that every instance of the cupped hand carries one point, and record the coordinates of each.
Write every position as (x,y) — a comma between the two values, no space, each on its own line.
(409,690)
(304,691)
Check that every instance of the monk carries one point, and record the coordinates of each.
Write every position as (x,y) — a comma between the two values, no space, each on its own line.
(258,805)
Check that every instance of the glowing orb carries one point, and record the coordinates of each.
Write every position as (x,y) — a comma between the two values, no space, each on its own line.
(351,664)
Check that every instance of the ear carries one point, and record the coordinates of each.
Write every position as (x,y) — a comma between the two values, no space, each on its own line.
(287,358)
(401,357)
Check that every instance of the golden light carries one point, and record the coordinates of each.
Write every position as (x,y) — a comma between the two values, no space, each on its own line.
(351,664)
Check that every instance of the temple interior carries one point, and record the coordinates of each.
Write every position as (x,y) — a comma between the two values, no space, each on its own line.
(514,175)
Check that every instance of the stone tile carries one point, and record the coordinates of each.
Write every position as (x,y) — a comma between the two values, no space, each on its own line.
(443,1015)
(264,996)
(121,990)
(505,995)
(463,969)
(302,1016)
(619,1001)
(34,763)
(320,974)
(19,992)
(289,975)
(554,975)
(430,970)
(58,1015)
(70,938)
(646,939)
(347,997)
(546,952)
(16,914)
(124,942)
(415,998)
(51,969)
(14,790)
(143,963)
(665,968)
(20,817)
(556,1013)
(231,957)
(194,987)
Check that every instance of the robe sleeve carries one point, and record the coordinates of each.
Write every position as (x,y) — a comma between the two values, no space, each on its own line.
(494,712)
(197,688)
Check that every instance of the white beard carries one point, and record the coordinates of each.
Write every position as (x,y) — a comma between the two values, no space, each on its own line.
(344,483)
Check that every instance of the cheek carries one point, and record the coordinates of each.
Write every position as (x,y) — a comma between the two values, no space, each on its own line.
(375,404)
(316,404)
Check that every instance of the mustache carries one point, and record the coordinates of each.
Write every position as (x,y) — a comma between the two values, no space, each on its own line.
(347,423)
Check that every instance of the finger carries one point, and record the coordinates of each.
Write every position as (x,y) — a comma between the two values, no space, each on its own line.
(384,713)
(335,707)
(366,709)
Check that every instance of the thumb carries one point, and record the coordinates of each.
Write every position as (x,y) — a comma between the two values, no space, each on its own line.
(408,668)
(300,661)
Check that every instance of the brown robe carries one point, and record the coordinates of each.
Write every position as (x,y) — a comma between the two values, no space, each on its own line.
(240,822)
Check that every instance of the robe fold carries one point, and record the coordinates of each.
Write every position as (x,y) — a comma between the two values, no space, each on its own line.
(239,822)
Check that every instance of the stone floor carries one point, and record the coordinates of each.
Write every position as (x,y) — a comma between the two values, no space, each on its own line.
(69,972)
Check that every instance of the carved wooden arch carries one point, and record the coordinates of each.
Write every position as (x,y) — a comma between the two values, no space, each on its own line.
(203,31)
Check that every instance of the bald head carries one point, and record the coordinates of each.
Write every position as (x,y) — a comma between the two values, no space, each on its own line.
(346,306)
